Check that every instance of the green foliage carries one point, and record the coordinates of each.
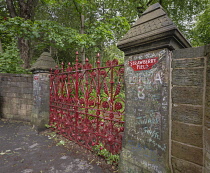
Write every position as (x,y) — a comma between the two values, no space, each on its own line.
(61,142)
(109,157)
(113,53)
(10,60)
(201,32)
(43,34)
(56,25)
(16,27)
(50,126)
(48,32)
(183,13)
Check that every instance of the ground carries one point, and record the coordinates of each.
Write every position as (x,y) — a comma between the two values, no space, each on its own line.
(23,150)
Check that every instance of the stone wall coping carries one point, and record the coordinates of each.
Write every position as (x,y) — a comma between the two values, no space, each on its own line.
(15,75)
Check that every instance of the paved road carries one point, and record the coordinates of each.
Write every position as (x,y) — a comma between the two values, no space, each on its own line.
(22,150)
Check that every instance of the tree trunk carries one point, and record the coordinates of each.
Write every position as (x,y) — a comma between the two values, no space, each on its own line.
(11,8)
(82,31)
(24,9)
(1,49)
(24,48)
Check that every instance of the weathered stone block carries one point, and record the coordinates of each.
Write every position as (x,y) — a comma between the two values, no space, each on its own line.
(5,78)
(30,79)
(187,152)
(8,115)
(27,96)
(3,94)
(23,106)
(12,95)
(206,170)
(207,100)
(189,53)
(25,85)
(16,79)
(207,160)
(207,138)
(26,90)
(187,114)
(188,63)
(22,113)
(131,168)
(5,110)
(130,163)
(187,133)
(2,100)
(208,62)
(14,84)
(207,148)
(15,108)
(15,89)
(187,95)
(188,77)
(14,100)
(29,109)
(23,79)
(207,117)
(182,166)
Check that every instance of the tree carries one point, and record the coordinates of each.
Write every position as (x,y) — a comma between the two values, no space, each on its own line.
(10,62)
(201,31)
(69,25)
(101,26)
(26,10)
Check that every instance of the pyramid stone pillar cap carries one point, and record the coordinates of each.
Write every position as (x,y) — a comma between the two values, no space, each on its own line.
(152,31)
(43,64)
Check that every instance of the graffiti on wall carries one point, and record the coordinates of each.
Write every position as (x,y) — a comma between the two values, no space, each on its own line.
(147,108)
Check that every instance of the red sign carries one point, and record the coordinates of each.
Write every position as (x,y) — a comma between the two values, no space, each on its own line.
(143,64)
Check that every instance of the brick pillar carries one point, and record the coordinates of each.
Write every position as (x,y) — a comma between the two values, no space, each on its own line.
(147,47)
(41,90)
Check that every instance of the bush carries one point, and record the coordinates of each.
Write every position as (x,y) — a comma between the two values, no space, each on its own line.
(10,61)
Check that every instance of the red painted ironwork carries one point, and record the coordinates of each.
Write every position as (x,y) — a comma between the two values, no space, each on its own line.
(87,104)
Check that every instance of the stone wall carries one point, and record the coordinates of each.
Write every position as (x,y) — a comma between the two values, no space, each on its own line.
(190,110)
(25,96)
(206,127)
(167,121)
(148,48)
(16,96)
(145,147)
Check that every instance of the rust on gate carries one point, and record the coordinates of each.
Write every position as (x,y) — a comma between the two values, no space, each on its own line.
(87,104)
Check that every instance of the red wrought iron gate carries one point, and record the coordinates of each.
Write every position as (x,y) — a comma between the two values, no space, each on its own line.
(87,104)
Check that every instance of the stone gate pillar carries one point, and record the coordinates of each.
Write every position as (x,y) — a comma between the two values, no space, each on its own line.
(147,47)
(41,90)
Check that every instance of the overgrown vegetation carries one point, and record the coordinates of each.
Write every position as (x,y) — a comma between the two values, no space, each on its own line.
(99,155)
(10,61)
(99,149)
(103,152)
(63,27)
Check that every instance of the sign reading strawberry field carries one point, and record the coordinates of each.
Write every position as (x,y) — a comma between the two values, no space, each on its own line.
(143,64)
